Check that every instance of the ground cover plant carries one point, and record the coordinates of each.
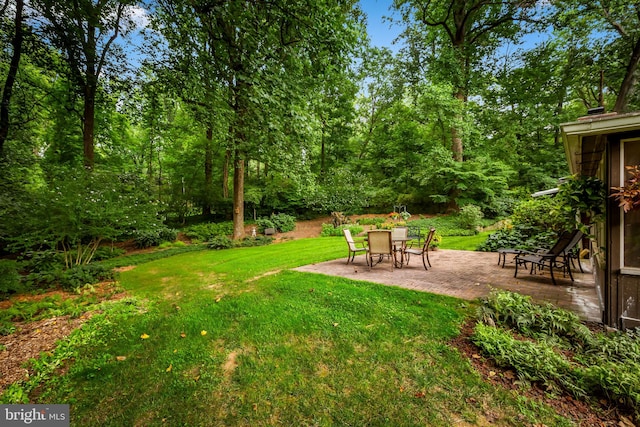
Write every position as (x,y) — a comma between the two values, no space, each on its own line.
(232,337)
(559,351)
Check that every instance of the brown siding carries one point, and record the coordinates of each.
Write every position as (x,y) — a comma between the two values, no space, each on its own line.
(630,302)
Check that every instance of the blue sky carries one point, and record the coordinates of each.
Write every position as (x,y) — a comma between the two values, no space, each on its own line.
(381,33)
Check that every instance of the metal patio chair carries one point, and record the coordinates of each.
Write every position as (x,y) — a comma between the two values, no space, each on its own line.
(380,246)
(423,251)
(353,246)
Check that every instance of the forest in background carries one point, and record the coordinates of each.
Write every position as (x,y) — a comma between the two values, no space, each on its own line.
(124,116)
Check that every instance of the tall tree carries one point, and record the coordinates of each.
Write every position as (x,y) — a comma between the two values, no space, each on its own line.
(7,91)
(85,31)
(259,53)
(458,34)
(612,28)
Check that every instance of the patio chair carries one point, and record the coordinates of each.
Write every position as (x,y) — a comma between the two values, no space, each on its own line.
(353,246)
(573,251)
(556,257)
(413,232)
(380,245)
(423,251)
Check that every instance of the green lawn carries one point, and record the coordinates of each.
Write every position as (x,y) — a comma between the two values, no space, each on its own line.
(234,337)
(464,243)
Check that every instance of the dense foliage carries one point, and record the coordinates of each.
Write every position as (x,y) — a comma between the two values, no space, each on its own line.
(190,112)
(565,354)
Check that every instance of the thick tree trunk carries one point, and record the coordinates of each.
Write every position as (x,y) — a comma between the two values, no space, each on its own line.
(629,80)
(11,75)
(238,196)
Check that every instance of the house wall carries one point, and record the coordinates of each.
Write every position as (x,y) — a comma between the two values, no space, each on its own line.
(621,291)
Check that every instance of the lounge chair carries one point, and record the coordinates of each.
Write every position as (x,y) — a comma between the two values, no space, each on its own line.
(422,251)
(380,245)
(353,246)
(555,258)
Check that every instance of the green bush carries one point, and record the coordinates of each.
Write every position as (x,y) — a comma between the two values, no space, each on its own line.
(281,222)
(534,320)
(168,234)
(154,237)
(518,237)
(9,277)
(81,275)
(536,213)
(220,242)
(255,241)
(264,223)
(377,221)
(45,260)
(205,232)
(76,211)
(446,225)
(329,230)
(107,252)
(470,217)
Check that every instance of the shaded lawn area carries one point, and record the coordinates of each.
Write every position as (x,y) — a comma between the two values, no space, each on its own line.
(234,338)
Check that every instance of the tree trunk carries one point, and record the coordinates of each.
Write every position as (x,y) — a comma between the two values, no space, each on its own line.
(11,75)
(238,196)
(629,80)
(225,174)
(89,125)
(322,152)
(456,138)
(208,172)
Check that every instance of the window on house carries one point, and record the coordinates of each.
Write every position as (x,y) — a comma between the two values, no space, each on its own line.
(631,219)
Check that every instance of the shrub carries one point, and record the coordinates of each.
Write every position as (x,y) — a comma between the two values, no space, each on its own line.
(283,222)
(255,241)
(81,275)
(519,237)
(538,214)
(153,237)
(107,252)
(264,223)
(46,260)
(329,230)
(9,277)
(75,213)
(532,361)
(470,217)
(220,242)
(207,231)
(146,239)
(377,221)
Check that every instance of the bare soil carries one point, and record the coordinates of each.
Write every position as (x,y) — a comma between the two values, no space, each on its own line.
(30,339)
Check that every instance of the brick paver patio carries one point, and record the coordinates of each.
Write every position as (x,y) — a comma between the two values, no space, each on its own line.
(470,275)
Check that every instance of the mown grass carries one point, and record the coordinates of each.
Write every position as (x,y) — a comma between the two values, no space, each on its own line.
(464,243)
(234,337)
